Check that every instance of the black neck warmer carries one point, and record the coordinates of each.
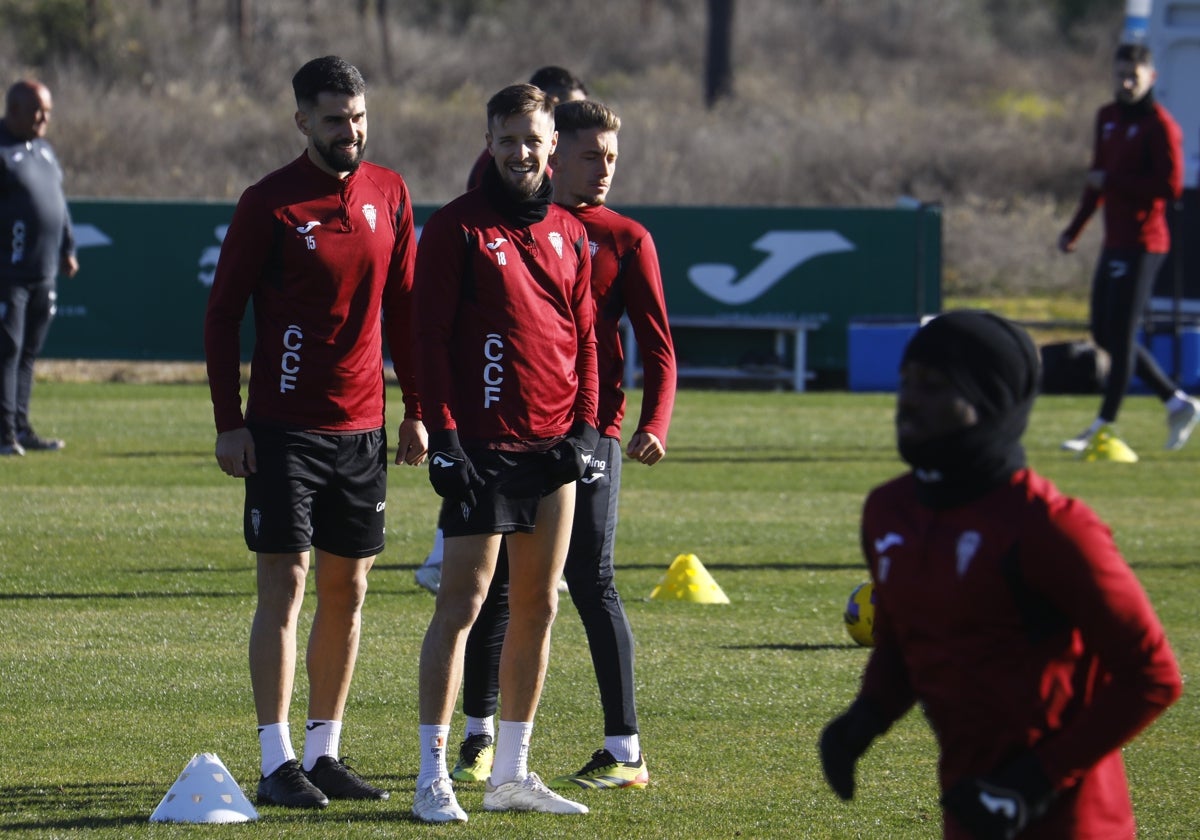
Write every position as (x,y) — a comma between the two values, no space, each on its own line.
(994,365)
(1133,111)
(521,212)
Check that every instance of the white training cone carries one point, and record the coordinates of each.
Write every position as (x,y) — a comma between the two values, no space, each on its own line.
(205,792)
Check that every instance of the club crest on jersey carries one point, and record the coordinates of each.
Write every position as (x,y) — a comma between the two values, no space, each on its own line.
(593,247)
(369,212)
(556,240)
(968,545)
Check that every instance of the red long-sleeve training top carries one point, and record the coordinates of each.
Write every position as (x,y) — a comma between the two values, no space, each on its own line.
(1140,152)
(626,279)
(322,259)
(1016,624)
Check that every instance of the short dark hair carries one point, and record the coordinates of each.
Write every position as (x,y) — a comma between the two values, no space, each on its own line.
(559,82)
(583,114)
(22,92)
(519,99)
(328,74)
(1137,53)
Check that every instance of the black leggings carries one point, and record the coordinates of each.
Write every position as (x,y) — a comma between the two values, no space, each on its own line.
(1122,286)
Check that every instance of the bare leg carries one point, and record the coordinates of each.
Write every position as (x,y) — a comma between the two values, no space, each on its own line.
(467,567)
(333,641)
(535,565)
(273,633)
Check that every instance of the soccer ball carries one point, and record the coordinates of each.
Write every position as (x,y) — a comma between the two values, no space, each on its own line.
(860,615)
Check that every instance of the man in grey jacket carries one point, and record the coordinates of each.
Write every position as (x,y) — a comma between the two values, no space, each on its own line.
(36,245)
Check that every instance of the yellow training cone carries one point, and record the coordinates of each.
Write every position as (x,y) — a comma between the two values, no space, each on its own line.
(687,580)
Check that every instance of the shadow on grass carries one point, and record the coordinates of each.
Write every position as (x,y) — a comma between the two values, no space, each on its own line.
(77,806)
(776,458)
(98,805)
(720,567)
(798,647)
(114,596)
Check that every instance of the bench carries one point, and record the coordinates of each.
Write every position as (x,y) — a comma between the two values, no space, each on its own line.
(797,327)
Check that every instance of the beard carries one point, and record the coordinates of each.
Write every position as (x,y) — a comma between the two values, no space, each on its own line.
(524,188)
(341,158)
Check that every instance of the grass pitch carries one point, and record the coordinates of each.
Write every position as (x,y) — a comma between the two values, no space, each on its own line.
(126,595)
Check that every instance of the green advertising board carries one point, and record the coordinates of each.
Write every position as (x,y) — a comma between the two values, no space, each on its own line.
(146,268)
(779,262)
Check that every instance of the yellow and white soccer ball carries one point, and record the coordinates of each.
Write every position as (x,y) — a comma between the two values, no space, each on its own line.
(860,615)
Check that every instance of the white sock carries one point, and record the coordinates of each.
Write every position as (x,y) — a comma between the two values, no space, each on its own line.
(623,747)
(1177,401)
(512,751)
(1096,424)
(481,726)
(434,557)
(321,737)
(433,754)
(275,740)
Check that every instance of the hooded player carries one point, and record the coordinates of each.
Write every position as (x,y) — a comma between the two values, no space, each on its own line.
(1002,607)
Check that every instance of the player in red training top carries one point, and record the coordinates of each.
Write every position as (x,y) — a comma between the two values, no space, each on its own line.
(625,281)
(1002,607)
(1137,169)
(323,247)
(508,371)
(560,85)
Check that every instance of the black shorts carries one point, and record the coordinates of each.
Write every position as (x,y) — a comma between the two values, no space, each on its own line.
(317,490)
(514,483)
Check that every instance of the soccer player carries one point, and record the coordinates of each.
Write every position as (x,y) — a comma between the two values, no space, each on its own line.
(626,281)
(560,85)
(323,247)
(1137,168)
(1002,607)
(508,367)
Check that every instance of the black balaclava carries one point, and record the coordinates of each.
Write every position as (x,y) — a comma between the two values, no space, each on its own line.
(994,365)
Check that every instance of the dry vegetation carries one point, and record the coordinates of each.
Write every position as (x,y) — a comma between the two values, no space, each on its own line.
(838,102)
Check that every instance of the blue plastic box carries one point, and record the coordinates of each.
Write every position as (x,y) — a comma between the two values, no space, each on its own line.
(874,352)
(1162,346)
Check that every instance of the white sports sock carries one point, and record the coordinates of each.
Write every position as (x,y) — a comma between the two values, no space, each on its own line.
(623,747)
(512,751)
(481,726)
(433,754)
(321,737)
(275,740)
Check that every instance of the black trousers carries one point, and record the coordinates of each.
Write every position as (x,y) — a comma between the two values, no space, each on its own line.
(26,311)
(590,576)
(1121,288)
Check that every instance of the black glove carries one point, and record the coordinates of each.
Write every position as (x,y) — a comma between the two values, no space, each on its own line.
(1000,805)
(844,739)
(451,472)
(569,458)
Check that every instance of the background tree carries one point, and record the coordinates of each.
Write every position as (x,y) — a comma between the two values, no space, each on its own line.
(718,72)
